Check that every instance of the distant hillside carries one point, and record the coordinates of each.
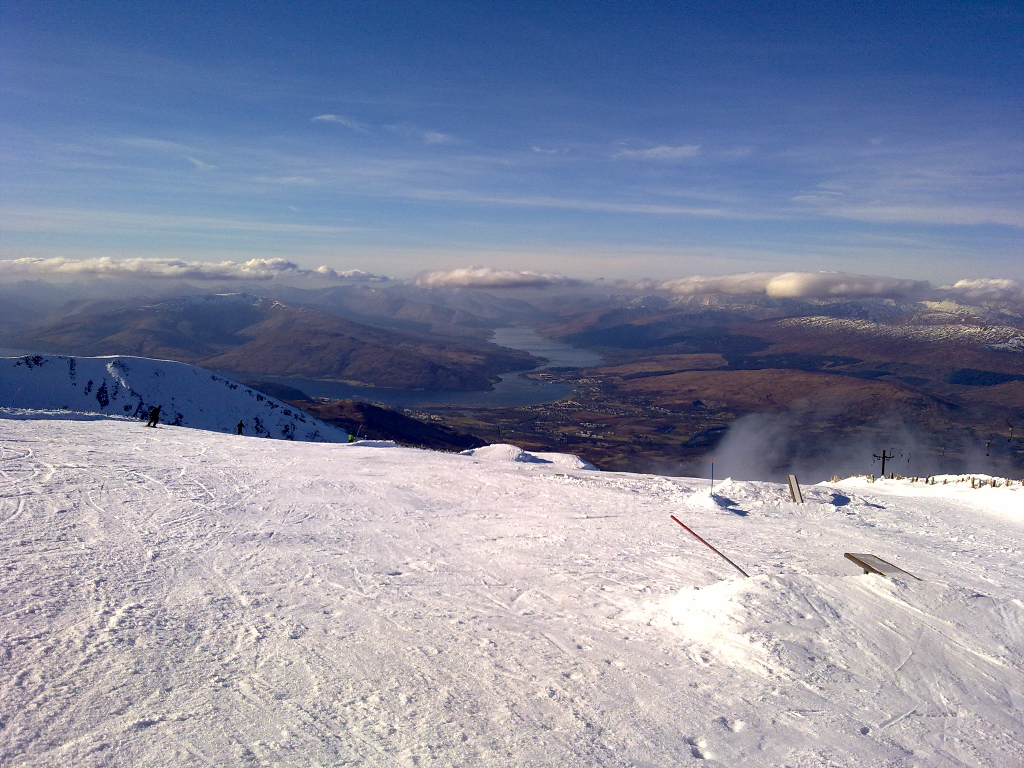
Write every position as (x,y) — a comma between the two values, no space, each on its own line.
(248,335)
(450,312)
(368,420)
(384,424)
(133,386)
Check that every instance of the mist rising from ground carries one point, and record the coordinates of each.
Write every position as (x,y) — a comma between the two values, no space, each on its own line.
(770,446)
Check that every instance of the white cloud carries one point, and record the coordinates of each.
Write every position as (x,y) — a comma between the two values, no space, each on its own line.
(152,144)
(435,137)
(349,274)
(487,277)
(254,269)
(662,152)
(201,165)
(984,289)
(543,151)
(410,131)
(354,125)
(802,285)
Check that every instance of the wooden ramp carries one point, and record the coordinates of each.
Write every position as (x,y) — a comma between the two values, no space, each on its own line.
(874,564)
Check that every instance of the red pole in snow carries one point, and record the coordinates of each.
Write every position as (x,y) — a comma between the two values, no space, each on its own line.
(698,538)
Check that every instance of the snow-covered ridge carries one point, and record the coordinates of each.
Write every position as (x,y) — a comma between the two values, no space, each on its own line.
(209,299)
(1005,336)
(132,386)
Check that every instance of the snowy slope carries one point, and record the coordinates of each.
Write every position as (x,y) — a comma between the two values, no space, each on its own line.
(185,598)
(131,386)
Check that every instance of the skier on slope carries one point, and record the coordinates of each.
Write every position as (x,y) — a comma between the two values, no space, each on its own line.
(154,417)
(240,426)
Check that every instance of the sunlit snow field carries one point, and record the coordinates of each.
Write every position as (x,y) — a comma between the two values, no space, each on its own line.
(183,598)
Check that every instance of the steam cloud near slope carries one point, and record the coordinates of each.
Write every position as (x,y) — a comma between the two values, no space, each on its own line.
(768,446)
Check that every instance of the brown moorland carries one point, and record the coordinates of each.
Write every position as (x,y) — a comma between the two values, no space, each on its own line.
(250,336)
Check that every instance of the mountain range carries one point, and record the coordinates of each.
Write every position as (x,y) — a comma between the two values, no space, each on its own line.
(246,335)
(677,371)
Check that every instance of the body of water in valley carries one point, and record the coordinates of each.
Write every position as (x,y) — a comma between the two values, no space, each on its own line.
(512,391)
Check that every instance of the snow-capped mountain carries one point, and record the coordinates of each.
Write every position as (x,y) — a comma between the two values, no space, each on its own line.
(132,386)
(182,598)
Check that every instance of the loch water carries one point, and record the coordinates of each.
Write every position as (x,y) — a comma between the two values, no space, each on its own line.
(512,391)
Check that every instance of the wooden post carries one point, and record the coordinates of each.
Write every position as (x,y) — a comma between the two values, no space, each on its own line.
(794,489)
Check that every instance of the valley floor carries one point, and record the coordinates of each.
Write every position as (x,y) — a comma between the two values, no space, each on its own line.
(183,598)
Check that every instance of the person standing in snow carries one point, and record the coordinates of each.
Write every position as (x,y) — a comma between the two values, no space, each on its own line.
(240,426)
(154,417)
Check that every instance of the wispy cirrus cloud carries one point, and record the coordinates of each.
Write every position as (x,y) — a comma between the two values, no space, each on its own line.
(290,181)
(930,214)
(414,133)
(349,123)
(81,221)
(406,130)
(953,183)
(568,203)
(436,137)
(200,165)
(158,145)
(662,152)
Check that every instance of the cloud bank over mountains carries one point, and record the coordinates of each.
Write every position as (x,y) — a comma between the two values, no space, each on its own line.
(148,269)
(487,277)
(798,285)
(838,285)
(985,290)
(779,285)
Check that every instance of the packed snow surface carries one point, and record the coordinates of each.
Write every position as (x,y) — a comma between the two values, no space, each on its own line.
(184,598)
(132,386)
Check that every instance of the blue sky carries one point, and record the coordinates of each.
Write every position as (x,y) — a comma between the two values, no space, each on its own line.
(595,139)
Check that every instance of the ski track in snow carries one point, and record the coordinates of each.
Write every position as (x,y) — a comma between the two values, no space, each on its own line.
(185,598)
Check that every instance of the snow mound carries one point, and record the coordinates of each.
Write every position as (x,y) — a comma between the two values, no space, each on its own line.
(565,460)
(505,452)
(132,386)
